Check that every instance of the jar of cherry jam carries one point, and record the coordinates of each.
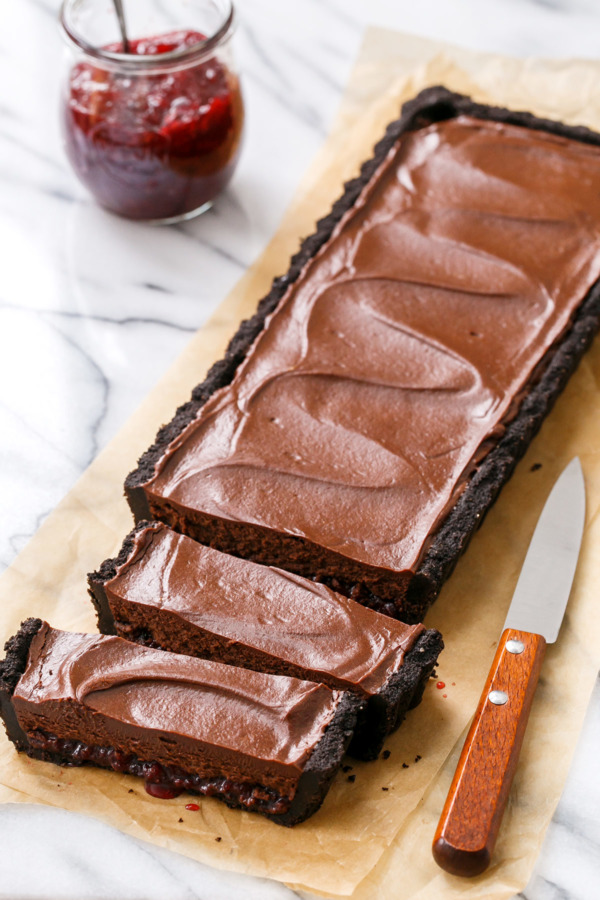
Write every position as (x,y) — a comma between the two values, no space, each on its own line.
(154,133)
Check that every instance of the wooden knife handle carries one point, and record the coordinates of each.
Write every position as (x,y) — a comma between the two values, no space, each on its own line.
(470,821)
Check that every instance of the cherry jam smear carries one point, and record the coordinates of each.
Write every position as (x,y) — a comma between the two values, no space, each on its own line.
(156,145)
(164,782)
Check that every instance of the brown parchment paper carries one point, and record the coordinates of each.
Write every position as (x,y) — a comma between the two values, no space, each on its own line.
(365,842)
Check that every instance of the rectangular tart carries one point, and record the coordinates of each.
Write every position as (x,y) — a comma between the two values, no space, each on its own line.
(363,422)
(168,591)
(259,742)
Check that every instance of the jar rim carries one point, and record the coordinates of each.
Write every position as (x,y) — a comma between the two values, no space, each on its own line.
(173,58)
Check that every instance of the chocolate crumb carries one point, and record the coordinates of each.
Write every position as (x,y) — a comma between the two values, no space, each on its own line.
(417,758)
(535,467)
(181,820)
(217,839)
(131,791)
(385,789)
(347,768)
(351,777)
(386,754)
(405,765)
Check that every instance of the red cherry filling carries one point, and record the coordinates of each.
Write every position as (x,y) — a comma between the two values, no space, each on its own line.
(161,781)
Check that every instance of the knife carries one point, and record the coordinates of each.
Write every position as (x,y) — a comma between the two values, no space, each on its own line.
(469,824)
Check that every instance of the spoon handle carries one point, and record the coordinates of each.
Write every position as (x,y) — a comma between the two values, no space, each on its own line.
(122,27)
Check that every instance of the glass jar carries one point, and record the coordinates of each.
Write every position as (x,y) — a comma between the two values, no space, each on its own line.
(154,133)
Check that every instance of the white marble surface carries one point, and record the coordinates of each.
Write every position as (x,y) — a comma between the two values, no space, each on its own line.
(93,310)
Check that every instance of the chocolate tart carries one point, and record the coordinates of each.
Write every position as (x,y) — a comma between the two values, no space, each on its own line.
(364,420)
(166,590)
(258,742)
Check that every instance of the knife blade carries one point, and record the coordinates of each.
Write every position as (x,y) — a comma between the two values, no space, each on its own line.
(469,824)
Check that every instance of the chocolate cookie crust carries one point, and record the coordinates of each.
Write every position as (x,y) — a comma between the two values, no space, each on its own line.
(11,669)
(481,489)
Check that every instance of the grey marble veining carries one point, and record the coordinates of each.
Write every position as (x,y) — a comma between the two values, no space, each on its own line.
(93,310)
(78,858)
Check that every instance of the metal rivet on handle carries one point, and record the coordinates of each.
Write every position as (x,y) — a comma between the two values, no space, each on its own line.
(515,646)
(499,698)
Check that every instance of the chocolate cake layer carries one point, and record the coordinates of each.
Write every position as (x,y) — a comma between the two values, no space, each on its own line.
(262,742)
(166,590)
(364,421)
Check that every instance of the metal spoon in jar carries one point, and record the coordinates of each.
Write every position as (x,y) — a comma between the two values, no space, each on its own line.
(118,4)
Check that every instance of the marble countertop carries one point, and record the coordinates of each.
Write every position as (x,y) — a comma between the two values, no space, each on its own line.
(93,310)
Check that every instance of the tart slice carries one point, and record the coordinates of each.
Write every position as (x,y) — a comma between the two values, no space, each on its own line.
(168,591)
(259,742)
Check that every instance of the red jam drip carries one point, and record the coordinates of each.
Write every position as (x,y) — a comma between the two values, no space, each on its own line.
(441,685)
(154,146)
(162,791)
(193,807)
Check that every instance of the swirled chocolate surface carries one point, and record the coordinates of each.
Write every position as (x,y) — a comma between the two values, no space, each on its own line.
(287,619)
(389,367)
(187,712)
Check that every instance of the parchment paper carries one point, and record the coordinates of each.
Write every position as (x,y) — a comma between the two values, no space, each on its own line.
(365,842)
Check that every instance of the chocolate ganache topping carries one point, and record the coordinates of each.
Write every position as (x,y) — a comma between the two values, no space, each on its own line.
(285,616)
(174,703)
(388,368)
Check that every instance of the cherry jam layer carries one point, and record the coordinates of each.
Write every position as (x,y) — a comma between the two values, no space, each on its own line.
(156,145)
(164,782)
